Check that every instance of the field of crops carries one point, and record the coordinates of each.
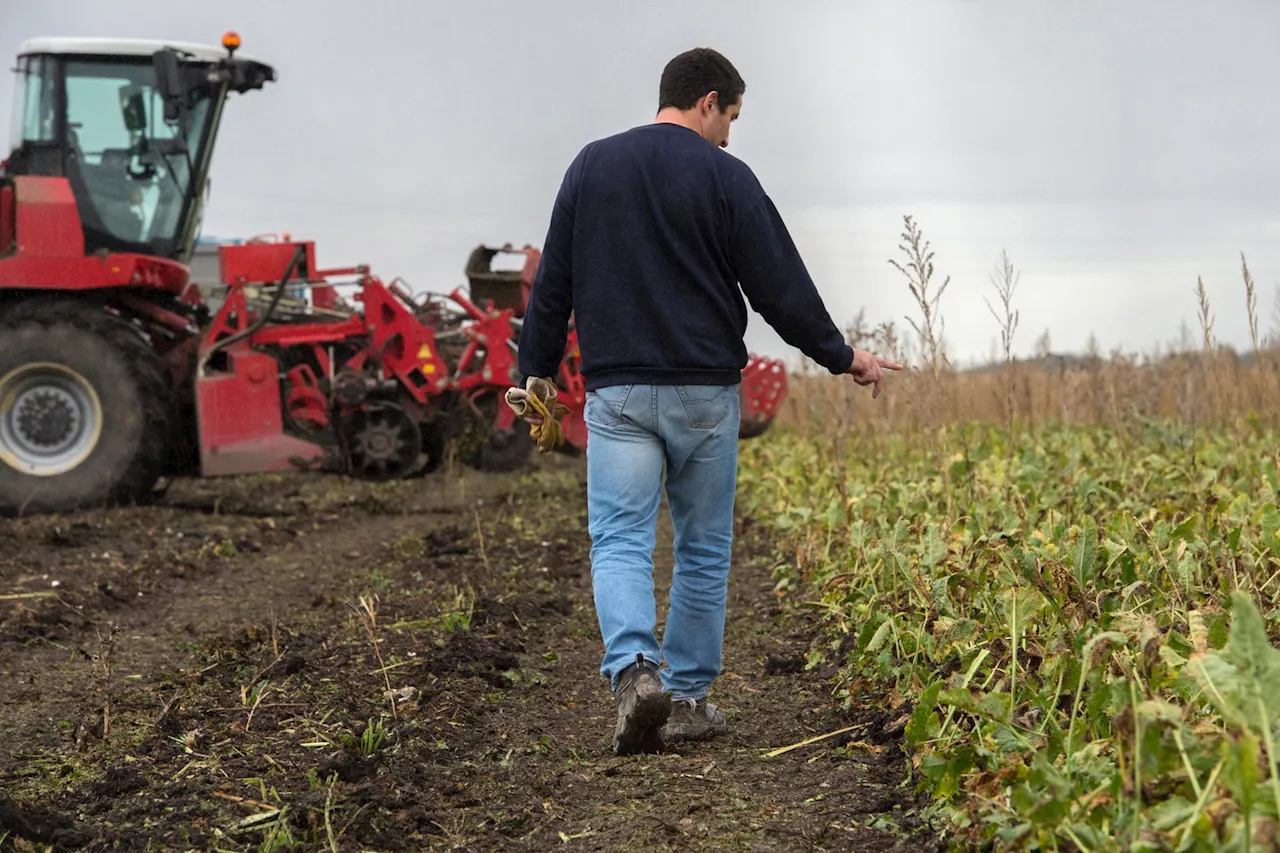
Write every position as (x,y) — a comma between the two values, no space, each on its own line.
(1075,623)
(1067,585)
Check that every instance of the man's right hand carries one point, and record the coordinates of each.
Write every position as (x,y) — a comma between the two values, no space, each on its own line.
(518,399)
(868,369)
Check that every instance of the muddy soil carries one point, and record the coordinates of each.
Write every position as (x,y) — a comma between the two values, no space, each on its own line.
(307,662)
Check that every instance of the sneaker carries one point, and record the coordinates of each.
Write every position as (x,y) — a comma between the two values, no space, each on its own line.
(694,719)
(643,707)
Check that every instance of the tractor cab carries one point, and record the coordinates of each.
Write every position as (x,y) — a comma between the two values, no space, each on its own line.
(130,125)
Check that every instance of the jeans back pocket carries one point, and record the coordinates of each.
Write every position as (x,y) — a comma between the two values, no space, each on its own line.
(706,405)
(605,405)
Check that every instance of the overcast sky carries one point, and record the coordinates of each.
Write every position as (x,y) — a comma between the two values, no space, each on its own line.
(1116,149)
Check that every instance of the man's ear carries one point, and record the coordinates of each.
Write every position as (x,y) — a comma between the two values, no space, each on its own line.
(711,101)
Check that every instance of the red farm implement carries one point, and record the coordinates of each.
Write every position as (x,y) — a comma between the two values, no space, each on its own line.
(374,389)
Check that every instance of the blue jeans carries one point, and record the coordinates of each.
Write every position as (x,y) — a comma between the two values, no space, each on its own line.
(634,433)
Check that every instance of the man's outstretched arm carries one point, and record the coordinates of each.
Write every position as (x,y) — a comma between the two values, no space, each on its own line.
(546,320)
(778,287)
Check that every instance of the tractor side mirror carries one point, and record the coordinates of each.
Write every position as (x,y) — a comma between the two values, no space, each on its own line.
(133,109)
(169,83)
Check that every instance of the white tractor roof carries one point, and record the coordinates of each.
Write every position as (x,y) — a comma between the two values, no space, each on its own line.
(123,47)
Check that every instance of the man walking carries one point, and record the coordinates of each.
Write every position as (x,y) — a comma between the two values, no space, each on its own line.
(654,239)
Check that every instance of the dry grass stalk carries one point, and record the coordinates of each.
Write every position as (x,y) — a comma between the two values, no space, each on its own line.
(100,724)
(1210,375)
(259,694)
(1005,280)
(484,557)
(367,610)
(919,274)
(1251,303)
(1205,316)
(1273,334)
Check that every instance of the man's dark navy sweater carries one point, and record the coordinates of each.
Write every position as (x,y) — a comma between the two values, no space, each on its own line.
(652,232)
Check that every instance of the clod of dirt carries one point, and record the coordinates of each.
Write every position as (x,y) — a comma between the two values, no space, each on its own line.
(72,535)
(26,624)
(487,611)
(882,726)
(108,592)
(466,648)
(559,605)
(350,766)
(442,542)
(287,665)
(882,804)
(469,654)
(784,664)
(119,780)
(169,722)
(36,824)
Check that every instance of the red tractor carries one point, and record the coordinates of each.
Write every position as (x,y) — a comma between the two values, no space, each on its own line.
(99,205)
(114,374)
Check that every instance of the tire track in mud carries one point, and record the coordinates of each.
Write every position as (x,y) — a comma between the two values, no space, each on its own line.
(485,631)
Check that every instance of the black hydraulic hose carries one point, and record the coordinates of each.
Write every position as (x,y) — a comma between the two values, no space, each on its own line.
(299,255)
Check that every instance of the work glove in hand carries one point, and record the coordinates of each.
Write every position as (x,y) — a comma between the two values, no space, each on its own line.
(536,403)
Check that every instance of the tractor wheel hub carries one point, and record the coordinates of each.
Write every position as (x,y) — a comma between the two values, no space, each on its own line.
(50,419)
(46,416)
(385,442)
(380,442)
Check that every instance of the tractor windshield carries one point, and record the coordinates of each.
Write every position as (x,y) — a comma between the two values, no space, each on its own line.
(130,170)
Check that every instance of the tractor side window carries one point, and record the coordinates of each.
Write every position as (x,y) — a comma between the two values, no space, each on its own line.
(33,114)
(17,124)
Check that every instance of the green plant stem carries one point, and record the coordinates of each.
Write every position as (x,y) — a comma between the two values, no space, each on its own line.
(1013,669)
(1190,822)
(1075,710)
(1268,742)
(1186,761)
(1137,759)
(328,823)
(1075,839)
(1057,691)
(964,682)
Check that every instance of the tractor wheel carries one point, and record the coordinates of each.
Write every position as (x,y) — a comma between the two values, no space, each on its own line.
(84,409)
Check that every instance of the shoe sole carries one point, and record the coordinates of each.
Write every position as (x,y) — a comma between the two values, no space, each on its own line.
(643,728)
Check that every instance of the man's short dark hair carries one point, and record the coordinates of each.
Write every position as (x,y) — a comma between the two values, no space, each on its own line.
(696,72)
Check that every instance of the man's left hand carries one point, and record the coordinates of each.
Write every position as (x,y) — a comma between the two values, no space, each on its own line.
(868,369)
